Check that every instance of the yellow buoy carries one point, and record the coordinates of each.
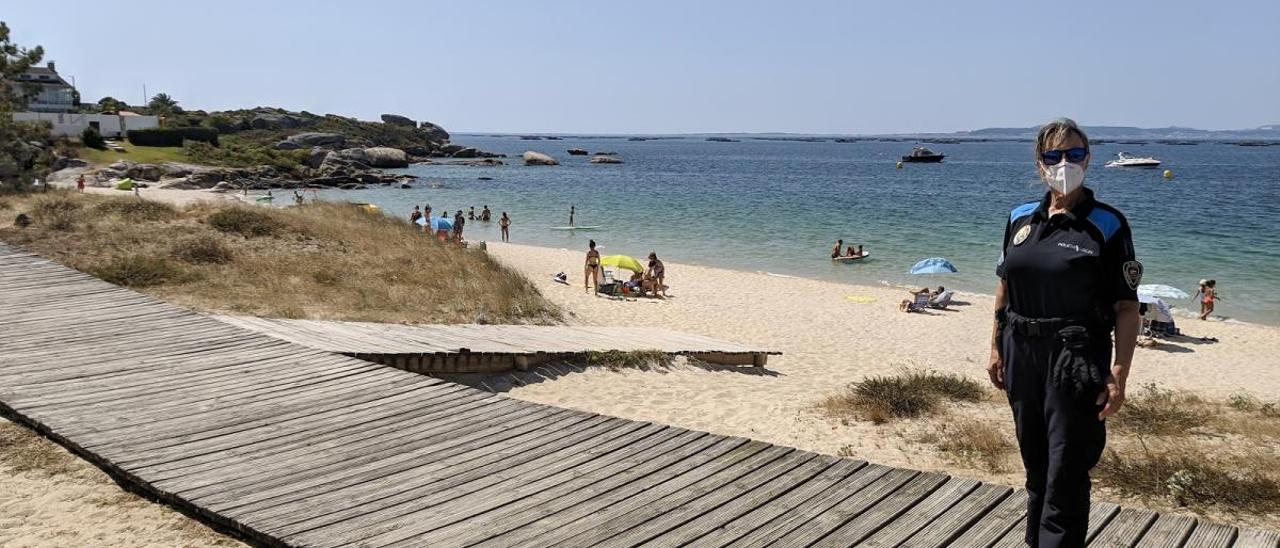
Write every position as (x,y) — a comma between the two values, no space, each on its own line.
(899,165)
(1168,174)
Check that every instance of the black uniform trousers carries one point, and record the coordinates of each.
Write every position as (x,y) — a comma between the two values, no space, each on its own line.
(1059,436)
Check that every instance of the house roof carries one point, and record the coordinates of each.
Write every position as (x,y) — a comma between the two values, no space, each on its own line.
(33,76)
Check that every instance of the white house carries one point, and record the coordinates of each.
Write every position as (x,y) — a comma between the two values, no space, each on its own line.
(72,124)
(45,90)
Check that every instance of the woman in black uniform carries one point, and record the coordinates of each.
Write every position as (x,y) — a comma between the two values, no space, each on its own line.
(1068,278)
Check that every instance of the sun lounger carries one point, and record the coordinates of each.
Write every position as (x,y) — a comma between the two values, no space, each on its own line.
(941,300)
(920,303)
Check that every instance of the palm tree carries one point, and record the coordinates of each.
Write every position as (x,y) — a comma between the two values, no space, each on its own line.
(163,105)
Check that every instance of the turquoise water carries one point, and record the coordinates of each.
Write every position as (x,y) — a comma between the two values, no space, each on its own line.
(779,207)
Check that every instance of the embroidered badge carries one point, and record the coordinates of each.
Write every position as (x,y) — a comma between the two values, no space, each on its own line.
(1132,273)
(1022,234)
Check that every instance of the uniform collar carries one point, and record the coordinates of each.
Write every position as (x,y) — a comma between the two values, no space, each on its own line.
(1079,211)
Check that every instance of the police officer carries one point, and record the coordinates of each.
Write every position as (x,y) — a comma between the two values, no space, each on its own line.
(1068,278)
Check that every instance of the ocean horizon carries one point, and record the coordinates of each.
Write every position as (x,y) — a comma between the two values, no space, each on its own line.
(777,206)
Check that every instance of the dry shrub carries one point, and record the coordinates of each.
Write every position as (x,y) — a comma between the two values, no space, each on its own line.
(202,249)
(1188,475)
(56,211)
(974,443)
(5,204)
(615,360)
(138,271)
(909,394)
(1158,412)
(137,210)
(244,221)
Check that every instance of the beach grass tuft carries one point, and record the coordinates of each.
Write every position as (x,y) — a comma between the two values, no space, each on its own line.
(1154,411)
(1190,476)
(909,394)
(56,211)
(327,261)
(974,443)
(616,360)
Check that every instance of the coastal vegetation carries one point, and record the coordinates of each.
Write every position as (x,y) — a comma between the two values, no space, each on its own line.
(909,394)
(324,261)
(26,151)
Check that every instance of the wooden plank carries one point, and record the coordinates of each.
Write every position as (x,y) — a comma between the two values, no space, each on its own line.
(1211,535)
(909,523)
(813,508)
(1125,529)
(1257,538)
(992,527)
(957,519)
(1168,531)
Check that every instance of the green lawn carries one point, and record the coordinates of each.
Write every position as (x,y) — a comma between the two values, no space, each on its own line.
(141,155)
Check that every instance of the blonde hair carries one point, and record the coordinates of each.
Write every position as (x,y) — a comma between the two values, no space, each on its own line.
(1060,128)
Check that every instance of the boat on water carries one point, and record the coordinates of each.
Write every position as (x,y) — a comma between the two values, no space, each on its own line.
(851,258)
(1124,159)
(923,155)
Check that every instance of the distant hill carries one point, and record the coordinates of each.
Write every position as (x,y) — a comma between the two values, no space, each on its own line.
(1267,132)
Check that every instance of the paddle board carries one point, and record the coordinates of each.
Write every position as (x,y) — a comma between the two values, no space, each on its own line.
(593,227)
(849,258)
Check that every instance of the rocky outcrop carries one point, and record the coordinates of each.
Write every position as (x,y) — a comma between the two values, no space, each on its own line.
(467,152)
(532,158)
(603,159)
(316,139)
(433,132)
(398,120)
(316,157)
(275,120)
(386,157)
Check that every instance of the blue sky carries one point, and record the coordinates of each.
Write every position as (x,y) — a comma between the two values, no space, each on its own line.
(691,66)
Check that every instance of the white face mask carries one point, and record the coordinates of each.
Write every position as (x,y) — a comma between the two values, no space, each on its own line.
(1064,177)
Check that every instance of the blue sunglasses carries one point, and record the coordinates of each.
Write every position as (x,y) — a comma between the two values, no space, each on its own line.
(1074,155)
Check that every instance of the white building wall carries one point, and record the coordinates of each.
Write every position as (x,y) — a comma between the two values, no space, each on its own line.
(72,124)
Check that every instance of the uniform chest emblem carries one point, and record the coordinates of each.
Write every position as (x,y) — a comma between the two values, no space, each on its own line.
(1022,234)
(1132,274)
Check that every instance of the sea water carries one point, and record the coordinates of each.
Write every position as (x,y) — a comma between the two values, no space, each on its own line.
(779,206)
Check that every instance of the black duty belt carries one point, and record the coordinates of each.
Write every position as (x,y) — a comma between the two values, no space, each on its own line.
(1047,327)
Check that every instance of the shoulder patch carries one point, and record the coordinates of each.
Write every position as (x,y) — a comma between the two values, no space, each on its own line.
(1023,210)
(1108,223)
(1132,273)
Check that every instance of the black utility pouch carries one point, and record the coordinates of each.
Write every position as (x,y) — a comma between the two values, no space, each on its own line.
(1072,370)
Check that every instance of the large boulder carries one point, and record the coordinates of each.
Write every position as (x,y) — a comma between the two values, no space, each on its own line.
(605,159)
(398,120)
(353,155)
(316,157)
(417,150)
(273,120)
(287,145)
(317,139)
(144,172)
(466,153)
(207,178)
(433,132)
(532,158)
(386,157)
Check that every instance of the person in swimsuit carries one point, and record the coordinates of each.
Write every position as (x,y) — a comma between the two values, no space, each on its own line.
(591,269)
(571,212)
(413,217)
(505,224)
(458,222)
(485,214)
(835,251)
(80,184)
(1208,294)
(657,275)
(854,253)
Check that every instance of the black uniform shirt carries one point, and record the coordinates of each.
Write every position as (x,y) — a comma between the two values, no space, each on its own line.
(1070,264)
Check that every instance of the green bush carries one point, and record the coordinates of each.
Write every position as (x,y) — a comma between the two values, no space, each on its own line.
(244,221)
(203,249)
(138,271)
(235,153)
(172,136)
(92,139)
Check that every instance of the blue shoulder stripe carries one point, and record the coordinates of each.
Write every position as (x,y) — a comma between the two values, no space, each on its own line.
(1023,210)
(1107,222)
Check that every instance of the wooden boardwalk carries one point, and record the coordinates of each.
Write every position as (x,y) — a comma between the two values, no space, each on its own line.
(490,348)
(289,445)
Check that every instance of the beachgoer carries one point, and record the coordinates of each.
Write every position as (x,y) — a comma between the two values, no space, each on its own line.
(458,222)
(591,268)
(80,184)
(426,212)
(835,251)
(1208,293)
(417,214)
(472,213)
(442,234)
(571,212)
(852,253)
(1067,278)
(485,214)
(298,198)
(657,275)
(505,224)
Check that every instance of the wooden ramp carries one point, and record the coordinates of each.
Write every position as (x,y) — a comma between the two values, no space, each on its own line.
(490,348)
(291,446)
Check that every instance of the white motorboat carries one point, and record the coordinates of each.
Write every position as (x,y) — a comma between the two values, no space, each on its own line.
(1124,159)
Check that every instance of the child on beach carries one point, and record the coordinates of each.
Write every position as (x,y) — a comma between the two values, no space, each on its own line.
(1207,294)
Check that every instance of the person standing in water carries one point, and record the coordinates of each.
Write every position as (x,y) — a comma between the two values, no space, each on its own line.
(592,268)
(571,212)
(485,214)
(80,184)
(505,224)
(458,222)
(472,213)
(1207,294)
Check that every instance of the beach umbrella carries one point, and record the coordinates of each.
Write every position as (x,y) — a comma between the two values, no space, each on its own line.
(624,262)
(422,221)
(1162,291)
(441,223)
(936,265)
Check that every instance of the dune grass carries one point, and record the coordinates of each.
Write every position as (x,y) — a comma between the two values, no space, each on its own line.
(133,153)
(322,261)
(616,360)
(906,395)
